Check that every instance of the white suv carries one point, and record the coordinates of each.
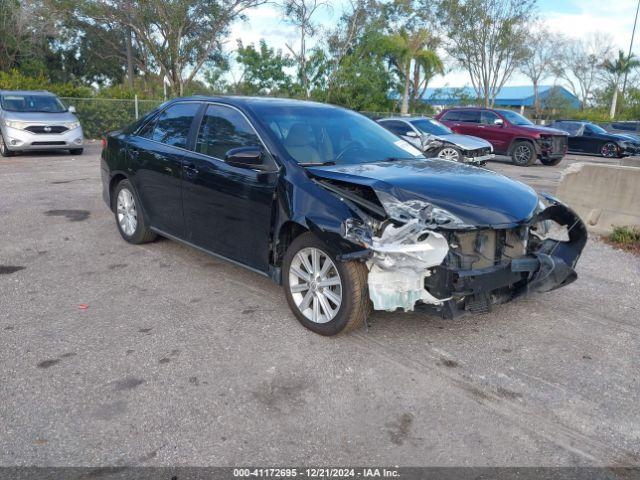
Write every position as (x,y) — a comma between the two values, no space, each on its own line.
(37,120)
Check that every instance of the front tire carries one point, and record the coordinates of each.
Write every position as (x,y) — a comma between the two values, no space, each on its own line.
(4,150)
(129,217)
(449,153)
(76,151)
(326,296)
(609,150)
(523,154)
(550,161)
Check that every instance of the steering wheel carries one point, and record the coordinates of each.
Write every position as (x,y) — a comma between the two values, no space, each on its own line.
(352,146)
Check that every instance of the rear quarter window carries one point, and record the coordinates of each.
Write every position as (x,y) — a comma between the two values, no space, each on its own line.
(174,124)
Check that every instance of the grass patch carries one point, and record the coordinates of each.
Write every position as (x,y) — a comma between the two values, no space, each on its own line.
(627,238)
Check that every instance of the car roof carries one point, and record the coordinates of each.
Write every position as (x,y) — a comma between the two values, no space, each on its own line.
(242,101)
(27,92)
(406,119)
(468,108)
(572,121)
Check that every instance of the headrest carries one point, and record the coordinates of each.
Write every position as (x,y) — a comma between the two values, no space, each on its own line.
(300,135)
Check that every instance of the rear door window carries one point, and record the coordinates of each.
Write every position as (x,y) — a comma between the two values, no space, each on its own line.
(469,116)
(222,129)
(174,124)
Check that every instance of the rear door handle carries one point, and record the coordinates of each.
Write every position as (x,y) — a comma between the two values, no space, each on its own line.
(190,170)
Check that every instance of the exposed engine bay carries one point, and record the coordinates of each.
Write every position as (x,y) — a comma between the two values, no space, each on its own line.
(420,255)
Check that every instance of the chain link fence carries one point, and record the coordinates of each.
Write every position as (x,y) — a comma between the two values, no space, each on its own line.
(101,115)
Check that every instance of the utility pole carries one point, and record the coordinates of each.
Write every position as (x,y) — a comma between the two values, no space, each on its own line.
(633,34)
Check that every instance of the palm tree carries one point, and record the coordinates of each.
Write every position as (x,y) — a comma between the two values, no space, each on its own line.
(405,49)
(617,68)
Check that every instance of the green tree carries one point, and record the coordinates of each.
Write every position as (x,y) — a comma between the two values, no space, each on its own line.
(580,64)
(25,29)
(263,69)
(540,58)
(406,49)
(300,13)
(617,68)
(178,37)
(487,37)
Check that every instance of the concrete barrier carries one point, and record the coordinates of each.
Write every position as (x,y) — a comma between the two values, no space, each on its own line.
(630,162)
(603,195)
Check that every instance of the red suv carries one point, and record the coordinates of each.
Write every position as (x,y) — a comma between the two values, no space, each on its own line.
(510,134)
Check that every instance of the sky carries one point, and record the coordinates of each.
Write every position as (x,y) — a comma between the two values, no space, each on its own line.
(572,18)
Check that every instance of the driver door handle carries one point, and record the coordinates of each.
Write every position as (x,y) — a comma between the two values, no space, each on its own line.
(190,170)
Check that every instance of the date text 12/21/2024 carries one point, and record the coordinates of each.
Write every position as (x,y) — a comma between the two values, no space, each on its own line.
(316,472)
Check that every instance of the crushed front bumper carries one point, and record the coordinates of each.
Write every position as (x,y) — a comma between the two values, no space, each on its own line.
(22,140)
(481,160)
(629,151)
(550,267)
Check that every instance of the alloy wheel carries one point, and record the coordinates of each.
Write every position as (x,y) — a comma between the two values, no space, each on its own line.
(522,154)
(609,150)
(127,213)
(315,285)
(448,153)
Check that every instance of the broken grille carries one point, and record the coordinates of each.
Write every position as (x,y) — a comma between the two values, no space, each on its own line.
(472,250)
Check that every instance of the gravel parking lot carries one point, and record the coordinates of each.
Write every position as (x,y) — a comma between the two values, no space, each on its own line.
(114,354)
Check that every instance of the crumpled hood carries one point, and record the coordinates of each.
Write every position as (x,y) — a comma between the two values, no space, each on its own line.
(477,196)
(466,142)
(543,130)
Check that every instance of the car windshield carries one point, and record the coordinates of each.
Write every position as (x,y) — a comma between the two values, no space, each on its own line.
(318,134)
(515,118)
(431,127)
(29,102)
(597,128)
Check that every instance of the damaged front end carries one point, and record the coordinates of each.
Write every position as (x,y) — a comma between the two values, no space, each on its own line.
(419,255)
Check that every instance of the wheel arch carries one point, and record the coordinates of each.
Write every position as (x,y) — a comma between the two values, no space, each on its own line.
(115,180)
(287,233)
(517,140)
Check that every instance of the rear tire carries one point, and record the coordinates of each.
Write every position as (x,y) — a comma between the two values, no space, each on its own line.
(348,288)
(4,150)
(523,154)
(551,161)
(129,218)
(76,151)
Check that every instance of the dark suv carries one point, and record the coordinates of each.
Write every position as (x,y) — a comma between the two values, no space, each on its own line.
(510,134)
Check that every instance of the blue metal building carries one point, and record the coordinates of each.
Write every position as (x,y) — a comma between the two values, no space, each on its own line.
(513,97)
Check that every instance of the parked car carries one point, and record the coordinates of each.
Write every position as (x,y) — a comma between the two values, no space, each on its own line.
(337,209)
(37,120)
(437,140)
(510,134)
(628,128)
(587,137)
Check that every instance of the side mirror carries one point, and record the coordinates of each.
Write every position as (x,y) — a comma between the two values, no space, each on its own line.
(411,134)
(245,157)
(499,122)
(72,109)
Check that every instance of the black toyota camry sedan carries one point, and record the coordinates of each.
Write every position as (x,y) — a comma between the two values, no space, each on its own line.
(345,215)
